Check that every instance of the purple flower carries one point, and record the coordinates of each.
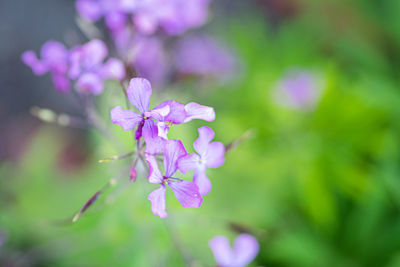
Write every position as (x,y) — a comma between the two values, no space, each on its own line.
(139,93)
(298,90)
(187,193)
(203,56)
(210,155)
(54,59)
(86,65)
(245,249)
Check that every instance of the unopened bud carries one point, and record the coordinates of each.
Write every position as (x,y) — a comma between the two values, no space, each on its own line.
(132,174)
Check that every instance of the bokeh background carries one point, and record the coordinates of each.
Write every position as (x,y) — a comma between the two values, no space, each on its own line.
(317,185)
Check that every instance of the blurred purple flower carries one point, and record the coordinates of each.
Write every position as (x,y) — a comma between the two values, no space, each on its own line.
(210,155)
(187,193)
(203,56)
(245,249)
(139,93)
(54,59)
(86,65)
(298,89)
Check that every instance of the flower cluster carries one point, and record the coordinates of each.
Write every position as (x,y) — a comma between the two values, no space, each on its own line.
(153,125)
(83,64)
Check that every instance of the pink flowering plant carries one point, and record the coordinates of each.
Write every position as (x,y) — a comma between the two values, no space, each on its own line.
(134,56)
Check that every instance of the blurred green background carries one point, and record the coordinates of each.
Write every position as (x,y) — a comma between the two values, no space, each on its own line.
(317,187)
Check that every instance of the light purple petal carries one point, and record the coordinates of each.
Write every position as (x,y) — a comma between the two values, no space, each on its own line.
(115,20)
(201,180)
(187,193)
(157,199)
(55,54)
(127,119)
(245,249)
(145,23)
(113,69)
(173,150)
(94,52)
(206,134)
(197,111)
(177,112)
(154,143)
(188,163)
(89,9)
(139,93)
(222,251)
(163,129)
(75,57)
(215,155)
(158,113)
(61,83)
(37,66)
(154,175)
(90,83)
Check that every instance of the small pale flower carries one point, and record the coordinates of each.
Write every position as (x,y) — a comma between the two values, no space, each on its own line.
(210,155)
(245,249)
(187,193)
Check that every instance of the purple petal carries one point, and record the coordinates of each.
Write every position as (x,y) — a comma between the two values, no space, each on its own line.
(188,163)
(90,83)
(154,175)
(173,150)
(177,112)
(75,57)
(206,134)
(158,113)
(89,9)
(55,54)
(157,199)
(127,119)
(37,66)
(94,53)
(163,129)
(145,23)
(215,155)
(139,93)
(187,193)
(245,249)
(222,251)
(197,111)
(154,143)
(201,180)
(113,69)
(115,20)
(61,83)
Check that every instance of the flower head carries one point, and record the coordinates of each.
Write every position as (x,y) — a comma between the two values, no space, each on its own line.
(210,155)
(139,93)
(54,59)
(187,193)
(245,249)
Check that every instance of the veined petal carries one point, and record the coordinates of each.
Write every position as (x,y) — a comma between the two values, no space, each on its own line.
(215,155)
(245,249)
(222,251)
(158,113)
(188,163)
(201,180)
(206,134)
(113,69)
(154,143)
(127,119)
(154,175)
(90,83)
(163,130)
(173,150)
(139,93)
(177,112)
(157,199)
(187,193)
(197,111)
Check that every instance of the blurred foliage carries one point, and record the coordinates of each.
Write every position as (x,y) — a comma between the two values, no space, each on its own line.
(317,188)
